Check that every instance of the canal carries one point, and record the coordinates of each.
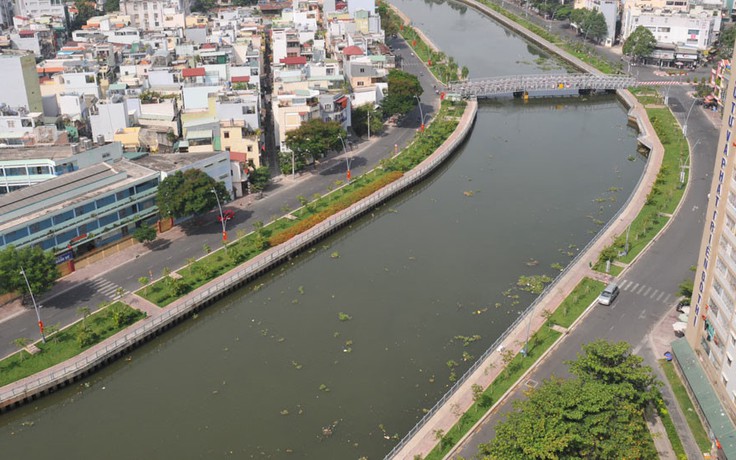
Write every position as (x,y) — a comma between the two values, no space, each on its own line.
(337,354)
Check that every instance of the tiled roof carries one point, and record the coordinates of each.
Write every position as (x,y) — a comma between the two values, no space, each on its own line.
(193,72)
(294,60)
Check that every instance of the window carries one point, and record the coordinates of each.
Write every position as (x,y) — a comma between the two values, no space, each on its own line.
(107,220)
(63,217)
(226,134)
(40,226)
(16,235)
(102,202)
(250,148)
(84,209)
(11,123)
(360,83)
(89,78)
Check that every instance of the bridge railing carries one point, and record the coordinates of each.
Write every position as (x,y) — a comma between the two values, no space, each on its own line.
(517,83)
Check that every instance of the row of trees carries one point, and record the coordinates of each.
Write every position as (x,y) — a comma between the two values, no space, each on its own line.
(315,138)
(597,414)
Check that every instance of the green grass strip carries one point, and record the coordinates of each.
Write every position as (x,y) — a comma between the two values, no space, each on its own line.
(686,406)
(664,197)
(245,247)
(672,435)
(585,53)
(580,297)
(575,304)
(64,344)
(538,344)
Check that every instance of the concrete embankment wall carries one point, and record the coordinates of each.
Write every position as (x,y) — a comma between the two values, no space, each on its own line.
(422,437)
(52,379)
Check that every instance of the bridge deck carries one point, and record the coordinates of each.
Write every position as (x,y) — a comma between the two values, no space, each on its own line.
(490,87)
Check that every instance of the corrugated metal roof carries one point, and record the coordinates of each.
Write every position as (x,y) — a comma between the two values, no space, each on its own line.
(54,187)
(705,397)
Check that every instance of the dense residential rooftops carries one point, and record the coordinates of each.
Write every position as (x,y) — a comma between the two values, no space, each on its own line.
(167,162)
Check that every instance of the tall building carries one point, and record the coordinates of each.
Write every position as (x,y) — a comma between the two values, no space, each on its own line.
(154,14)
(706,357)
(20,81)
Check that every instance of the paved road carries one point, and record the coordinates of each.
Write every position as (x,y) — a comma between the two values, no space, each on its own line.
(281,194)
(650,286)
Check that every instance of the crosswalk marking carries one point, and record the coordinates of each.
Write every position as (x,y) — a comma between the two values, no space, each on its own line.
(106,288)
(645,291)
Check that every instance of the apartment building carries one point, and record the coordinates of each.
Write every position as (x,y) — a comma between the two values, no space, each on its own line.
(705,357)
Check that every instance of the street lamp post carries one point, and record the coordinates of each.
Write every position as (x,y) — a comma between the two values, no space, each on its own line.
(293,163)
(684,126)
(222,217)
(421,113)
(369,123)
(347,159)
(35,306)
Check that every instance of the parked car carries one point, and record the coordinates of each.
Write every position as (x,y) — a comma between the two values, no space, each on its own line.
(227,214)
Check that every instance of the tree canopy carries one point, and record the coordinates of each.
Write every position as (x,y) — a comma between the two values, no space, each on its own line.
(39,266)
(640,43)
(112,6)
(615,365)
(144,234)
(590,23)
(389,21)
(597,414)
(570,419)
(359,119)
(402,89)
(725,41)
(85,10)
(259,178)
(190,192)
(314,137)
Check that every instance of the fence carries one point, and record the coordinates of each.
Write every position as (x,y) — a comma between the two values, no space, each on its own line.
(521,318)
(118,344)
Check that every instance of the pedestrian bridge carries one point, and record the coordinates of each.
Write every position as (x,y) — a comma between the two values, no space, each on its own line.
(539,85)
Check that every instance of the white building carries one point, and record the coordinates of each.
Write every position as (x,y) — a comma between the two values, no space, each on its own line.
(110,116)
(695,29)
(152,15)
(38,8)
(20,85)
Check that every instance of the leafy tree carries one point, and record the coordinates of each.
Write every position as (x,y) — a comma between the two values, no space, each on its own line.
(464,72)
(359,117)
(85,10)
(725,42)
(203,6)
(21,343)
(640,43)
(258,180)
(389,22)
(595,26)
(190,192)
(39,266)
(112,6)
(315,137)
(571,419)
(616,366)
(402,89)
(84,313)
(144,234)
